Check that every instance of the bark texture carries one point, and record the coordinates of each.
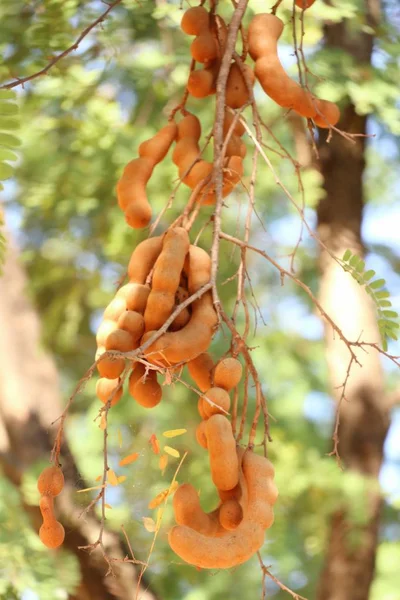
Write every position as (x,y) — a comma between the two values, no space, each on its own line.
(364,420)
(29,402)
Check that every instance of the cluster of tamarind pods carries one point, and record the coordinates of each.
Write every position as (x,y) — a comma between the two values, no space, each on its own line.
(207,48)
(50,484)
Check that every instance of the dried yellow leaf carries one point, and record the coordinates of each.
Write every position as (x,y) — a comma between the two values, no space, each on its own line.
(108,505)
(174,433)
(112,478)
(129,459)
(99,478)
(121,478)
(159,499)
(163,462)
(149,524)
(171,451)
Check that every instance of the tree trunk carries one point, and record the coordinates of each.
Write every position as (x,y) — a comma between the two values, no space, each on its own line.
(350,561)
(29,402)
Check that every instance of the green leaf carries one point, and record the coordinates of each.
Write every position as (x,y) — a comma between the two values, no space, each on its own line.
(392,314)
(361,266)
(392,336)
(6,139)
(368,275)
(382,294)
(391,325)
(346,256)
(8,108)
(7,95)
(354,261)
(378,283)
(6,154)
(8,124)
(384,303)
(6,171)
(384,345)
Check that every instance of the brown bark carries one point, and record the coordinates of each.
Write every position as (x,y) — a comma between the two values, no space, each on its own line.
(350,561)
(29,402)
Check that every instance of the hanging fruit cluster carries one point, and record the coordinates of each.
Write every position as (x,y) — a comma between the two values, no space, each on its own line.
(167,270)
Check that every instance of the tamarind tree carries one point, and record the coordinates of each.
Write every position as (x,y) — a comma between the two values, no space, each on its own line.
(202,201)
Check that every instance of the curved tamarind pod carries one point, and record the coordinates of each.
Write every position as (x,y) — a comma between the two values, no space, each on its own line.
(115,309)
(107,367)
(200,408)
(304,4)
(166,278)
(202,83)
(264,31)
(229,550)
(142,260)
(105,387)
(200,370)
(195,20)
(224,462)
(190,127)
(144,387)
(135,296)
(157,147)
(232,175)
(239,128)
(50,481)
(120,340)
(131,192)
(201,436)
(181,320)
(188,511)
(239,492)
(228,373)
(197,268)
(262,492)
(185,153)
(236,147)
(204,47)
(237,94)
(132,322)
(216,401)
(330,113)
(51,532)
(106,327)
(230,514)
(200,171)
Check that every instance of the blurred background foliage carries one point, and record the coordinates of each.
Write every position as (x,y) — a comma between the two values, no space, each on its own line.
(80,124)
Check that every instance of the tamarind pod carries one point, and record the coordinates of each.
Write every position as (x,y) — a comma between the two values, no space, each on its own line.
(190,127)
(239,128)
(236,147)
(239,492)
(237,94)
(190,341)
(181,293)
(201,83)
(181,320)
(104,389)
(228,373)
(50,481)
(264,31)
(200,370)
(216,401)
(330,113)
(169,264)
(46,505)
(188,511)
(135,296)
(201,435)
(222,452)
(258,473)
(144,387)
(52,536)
(113,311)
(105,328)
(142,260)
(204,48)
(195,20)
(200,408)
(304,4)
(120,340)
(230,514)
(200,171)
(185,154)
(132,322)
(232,175)
(131,191)
(108,367)
(160,306)
(197,268)
(234,548)
(157,147)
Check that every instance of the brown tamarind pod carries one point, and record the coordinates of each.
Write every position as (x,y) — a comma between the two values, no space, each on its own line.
(222,452)
(304,4)
(236,147)
(113,311)
(233,172)
(238,129)
(143,387)
(195,20)
(216,401)
(108,367)
(200,408)
(330,113)
(131,192)
(188,511)
(156,148)
(199,172)
(166,278)
(237,94)
(142,260)
(106,387)
(262,492)
(230,514)
(264,31)
(239,492)
(200,370)
(132,322)
(120,340)
(189,127)
(181,320)
(202,83)
(105,328)
(51,481)
(228,373)
(135,296)
(186,153)
(204,48)
(201,435)
(197,268)
(51,532)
